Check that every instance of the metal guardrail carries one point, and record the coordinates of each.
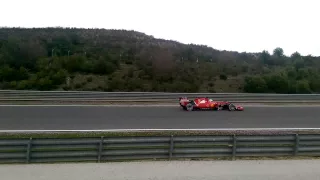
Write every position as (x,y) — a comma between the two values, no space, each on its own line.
(102,149)
(23,95)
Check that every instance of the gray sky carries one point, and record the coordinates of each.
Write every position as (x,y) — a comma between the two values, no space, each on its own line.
(238,25)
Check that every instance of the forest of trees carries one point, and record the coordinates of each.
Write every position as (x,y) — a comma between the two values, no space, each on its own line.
(120,60)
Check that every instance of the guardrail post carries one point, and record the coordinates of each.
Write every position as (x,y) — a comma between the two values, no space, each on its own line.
(29,150)
(100,149)
(234,147)
(296,147)
(171,147)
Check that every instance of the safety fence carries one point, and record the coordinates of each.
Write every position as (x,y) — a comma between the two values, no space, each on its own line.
(24,95)
(102,149)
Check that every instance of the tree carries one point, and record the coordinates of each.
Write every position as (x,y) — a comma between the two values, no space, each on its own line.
(255,84)
(266,57)
(120,60)
(277,83)
(295,55)
(303,87)
(278,52)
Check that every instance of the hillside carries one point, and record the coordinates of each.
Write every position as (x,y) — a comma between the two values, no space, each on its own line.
(119,60)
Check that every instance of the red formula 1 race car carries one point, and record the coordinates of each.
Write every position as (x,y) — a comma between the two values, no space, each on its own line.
(207,104)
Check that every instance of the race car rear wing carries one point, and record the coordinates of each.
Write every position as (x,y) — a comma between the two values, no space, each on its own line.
(183,98)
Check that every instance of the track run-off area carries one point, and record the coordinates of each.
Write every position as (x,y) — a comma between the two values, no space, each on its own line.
(82,117)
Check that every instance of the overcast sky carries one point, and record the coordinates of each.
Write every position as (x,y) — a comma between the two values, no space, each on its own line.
(238,25)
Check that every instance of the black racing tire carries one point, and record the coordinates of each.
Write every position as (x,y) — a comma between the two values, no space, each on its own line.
(219,108)
(232,107)
(189,107)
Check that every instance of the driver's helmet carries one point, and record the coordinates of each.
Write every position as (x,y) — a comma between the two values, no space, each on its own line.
(210,100)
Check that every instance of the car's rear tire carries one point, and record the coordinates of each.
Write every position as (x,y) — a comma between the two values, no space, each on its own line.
(219,108)
(232,107)
(189,107)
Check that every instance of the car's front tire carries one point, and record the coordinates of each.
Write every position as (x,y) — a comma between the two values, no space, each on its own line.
(232,107)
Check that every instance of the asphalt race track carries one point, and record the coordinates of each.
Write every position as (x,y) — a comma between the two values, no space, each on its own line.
(95,117)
